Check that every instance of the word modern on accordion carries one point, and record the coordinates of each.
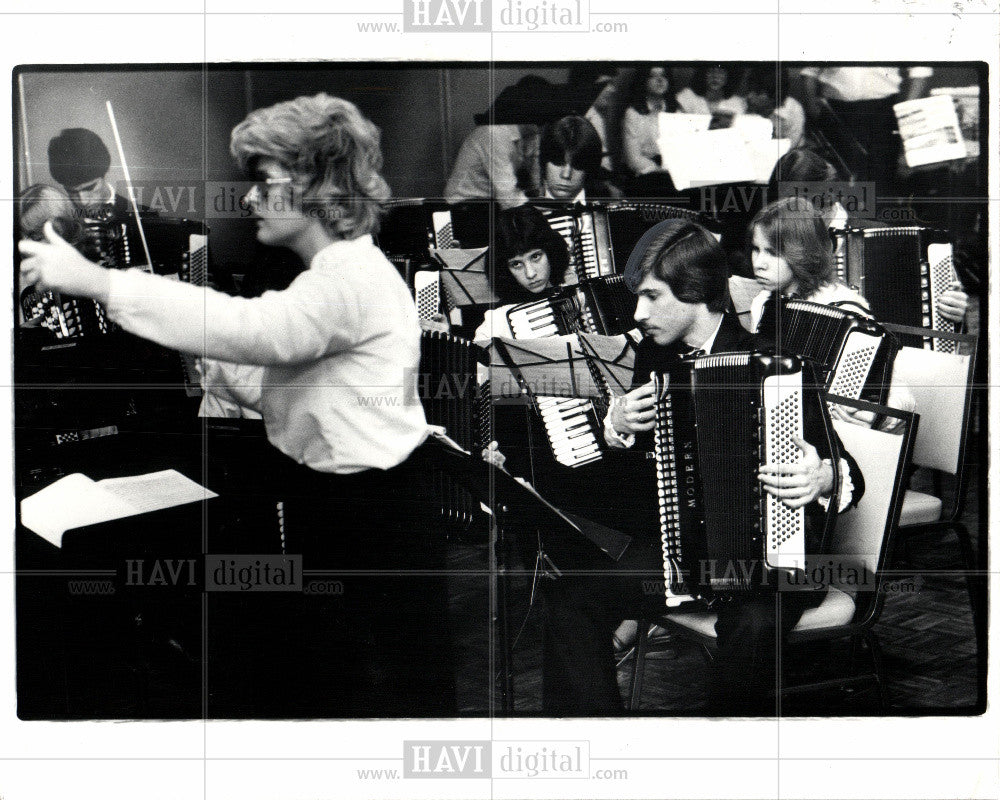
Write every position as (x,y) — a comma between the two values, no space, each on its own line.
(844,344)
(718,419)
(902,272)
(447,389)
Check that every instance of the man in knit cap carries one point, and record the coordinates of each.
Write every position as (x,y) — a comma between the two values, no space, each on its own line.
(79,160)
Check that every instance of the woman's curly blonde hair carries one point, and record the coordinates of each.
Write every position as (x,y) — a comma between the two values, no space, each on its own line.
(326,143)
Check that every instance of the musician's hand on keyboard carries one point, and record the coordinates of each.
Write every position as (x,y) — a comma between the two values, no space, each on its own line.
(492,455)
(55,265)
(953,303)
(798,484)
(634,412)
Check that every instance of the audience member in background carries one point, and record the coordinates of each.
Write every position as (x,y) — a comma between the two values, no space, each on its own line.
(570,156)
(499,159)
(713,91)
(649,96)
(767,96)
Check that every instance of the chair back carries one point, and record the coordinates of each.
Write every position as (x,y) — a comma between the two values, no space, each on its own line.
(940,385)
(861,539)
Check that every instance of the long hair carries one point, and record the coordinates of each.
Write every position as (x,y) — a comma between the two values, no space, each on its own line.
(687,258)
(519,230)
(637,90)
(331,147)
(574,140)
(796,230)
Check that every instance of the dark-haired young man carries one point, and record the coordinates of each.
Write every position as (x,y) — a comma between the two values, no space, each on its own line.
(570,161)
(679,272)
(79,160)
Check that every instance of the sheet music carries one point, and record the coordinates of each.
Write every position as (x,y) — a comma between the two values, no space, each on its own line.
(75,500)
(707,159)
(69,503)
(929,130)
(156,490)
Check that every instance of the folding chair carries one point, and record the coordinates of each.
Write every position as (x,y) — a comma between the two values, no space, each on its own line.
(941,383)
(860,544)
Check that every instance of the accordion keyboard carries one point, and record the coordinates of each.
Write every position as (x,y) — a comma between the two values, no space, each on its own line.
(571,423)
(533,321)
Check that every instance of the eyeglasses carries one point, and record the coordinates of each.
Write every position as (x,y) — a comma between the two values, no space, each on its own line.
(259,195)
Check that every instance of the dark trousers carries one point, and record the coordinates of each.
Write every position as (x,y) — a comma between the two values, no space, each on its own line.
(370,638)
(582,612)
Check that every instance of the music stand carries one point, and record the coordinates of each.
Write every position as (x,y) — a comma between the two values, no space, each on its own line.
(503,493)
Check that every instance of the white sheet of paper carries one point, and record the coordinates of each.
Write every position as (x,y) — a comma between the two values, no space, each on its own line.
(929,130)
(76,500)
(156,490)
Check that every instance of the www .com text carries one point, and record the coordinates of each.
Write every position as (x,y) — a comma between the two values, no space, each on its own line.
(395,775)
(394,27)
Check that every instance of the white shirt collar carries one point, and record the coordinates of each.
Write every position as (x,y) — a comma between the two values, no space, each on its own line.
(709,343)
(839,219)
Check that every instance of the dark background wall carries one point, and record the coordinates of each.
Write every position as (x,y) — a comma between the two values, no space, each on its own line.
(175,122)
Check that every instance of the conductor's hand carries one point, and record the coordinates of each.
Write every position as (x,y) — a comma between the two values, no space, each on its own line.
(801,483)
(55,265)
(635,411)
(953,303)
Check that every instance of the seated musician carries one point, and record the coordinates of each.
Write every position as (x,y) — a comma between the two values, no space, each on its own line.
(791,255)
(40,203)
(802,167)
(679,272)
(529,259)
(570,158)
(328,350)
(79,160)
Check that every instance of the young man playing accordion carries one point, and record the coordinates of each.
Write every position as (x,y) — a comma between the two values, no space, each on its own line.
(680,274)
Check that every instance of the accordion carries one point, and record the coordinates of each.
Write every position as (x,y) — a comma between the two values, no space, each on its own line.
(846,346)
(447,389)
(718,419)
(600,237)
(179,247)
(902,272)
(585,231)
(600,305)
(412,227)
